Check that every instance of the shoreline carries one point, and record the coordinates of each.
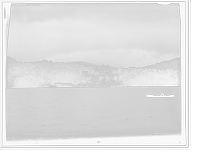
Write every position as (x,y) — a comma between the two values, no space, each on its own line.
(77,86)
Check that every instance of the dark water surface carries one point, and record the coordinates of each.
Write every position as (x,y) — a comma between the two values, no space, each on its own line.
(61,113)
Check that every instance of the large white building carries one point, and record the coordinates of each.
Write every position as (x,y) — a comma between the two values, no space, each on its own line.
(104,69)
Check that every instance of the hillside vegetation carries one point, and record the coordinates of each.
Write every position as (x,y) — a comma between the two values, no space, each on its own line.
(80,74)
(170,64)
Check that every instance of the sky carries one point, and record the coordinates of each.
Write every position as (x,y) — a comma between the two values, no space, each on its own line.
(120,35)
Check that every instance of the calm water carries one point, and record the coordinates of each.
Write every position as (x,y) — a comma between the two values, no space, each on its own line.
(63,113)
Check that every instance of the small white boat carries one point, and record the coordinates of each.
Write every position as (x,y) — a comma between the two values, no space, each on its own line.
(160,96)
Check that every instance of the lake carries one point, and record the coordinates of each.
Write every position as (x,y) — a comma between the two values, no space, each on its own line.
(63,113)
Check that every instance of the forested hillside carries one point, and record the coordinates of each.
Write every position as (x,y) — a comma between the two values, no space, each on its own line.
(149,77)
(174,64)
(43,73)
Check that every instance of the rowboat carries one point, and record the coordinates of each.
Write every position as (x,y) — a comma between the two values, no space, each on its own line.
(160,96)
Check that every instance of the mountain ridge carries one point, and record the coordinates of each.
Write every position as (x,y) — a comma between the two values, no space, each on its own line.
(85,64)
(174,63)
(167,64)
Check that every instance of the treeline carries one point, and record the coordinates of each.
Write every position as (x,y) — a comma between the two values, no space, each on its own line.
(148,77)
(43,73)
(48,74)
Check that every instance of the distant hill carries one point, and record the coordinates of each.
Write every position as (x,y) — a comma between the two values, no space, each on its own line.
(174,64)
(46,73)
(10,59)
(85,64)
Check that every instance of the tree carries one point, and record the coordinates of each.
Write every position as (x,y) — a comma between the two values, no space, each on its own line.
(106,78)
(115,78)
(100,78)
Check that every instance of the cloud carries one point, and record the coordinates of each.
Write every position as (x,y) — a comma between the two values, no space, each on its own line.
(117,12)
(44,31)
